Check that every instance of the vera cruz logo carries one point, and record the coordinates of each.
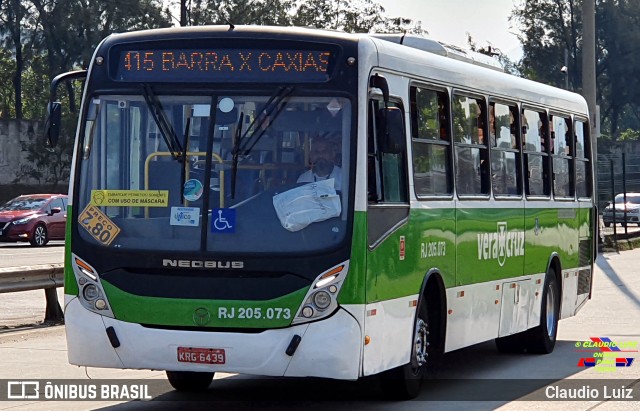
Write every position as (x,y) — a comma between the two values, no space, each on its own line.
(500,245)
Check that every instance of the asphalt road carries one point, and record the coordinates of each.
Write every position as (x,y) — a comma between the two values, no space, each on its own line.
(613,312)
(23,254)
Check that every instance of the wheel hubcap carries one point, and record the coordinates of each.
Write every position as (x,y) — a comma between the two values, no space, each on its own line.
(421,343)
(39,235)
(551,311)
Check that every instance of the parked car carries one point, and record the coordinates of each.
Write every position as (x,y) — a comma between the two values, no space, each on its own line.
(36,218)
(632,206)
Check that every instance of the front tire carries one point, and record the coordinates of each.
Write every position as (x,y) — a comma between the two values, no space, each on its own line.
(190,381)
(542,339)
(403,383)
(40,236)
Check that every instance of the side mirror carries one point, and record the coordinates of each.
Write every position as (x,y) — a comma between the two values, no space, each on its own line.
(52,124)
(379,82)
(55,210)
(391,127)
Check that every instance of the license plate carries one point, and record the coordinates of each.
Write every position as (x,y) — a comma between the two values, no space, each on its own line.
(201,355)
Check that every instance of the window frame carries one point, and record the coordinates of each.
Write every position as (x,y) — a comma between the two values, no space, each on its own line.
(485,117)
(517,150)
(569,158)
(587,159)
(544,153)
(448,144)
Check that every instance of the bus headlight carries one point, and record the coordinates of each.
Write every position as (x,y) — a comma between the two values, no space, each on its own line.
(90,292)
(322,298)
(91,296)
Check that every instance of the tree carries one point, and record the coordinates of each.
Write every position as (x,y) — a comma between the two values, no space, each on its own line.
(356,16)
(548,28)
(7,93)
(12,15)
(273,12)
(54,48)
(619,65)
(87,22)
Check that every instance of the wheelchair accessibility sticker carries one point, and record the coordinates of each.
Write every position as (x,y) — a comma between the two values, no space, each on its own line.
(223,220)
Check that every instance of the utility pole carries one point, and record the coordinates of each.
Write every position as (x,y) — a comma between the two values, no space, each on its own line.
(183,13)
(589,58)
(565,69)
(589,85)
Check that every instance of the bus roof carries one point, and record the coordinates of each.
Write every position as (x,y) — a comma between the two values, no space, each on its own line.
(440,64)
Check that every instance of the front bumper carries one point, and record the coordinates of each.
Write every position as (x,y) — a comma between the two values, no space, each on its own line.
(330,348)
(631,218)
(11,233)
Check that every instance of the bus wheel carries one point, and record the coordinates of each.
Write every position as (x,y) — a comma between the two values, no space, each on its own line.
(190,381)
(542,339)
(403,383)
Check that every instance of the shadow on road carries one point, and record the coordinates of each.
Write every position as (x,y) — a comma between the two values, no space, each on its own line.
(477,377)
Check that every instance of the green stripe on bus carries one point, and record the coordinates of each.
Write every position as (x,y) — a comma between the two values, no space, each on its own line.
(183,312)
(70,284)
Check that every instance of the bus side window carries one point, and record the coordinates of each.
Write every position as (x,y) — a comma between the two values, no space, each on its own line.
(583,159)
(535,145)
(471,146)
(430,142)
(506,175)
(393,169)
(563,167)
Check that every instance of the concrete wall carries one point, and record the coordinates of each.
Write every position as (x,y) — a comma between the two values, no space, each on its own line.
(13,133)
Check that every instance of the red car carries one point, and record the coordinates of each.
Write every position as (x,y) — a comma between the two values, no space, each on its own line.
(36,218)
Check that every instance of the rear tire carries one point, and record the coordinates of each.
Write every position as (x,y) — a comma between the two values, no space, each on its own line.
(403,383)
(40,236)
(542,339)
(190,381)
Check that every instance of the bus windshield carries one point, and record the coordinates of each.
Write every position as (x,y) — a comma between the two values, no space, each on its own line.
(222,173)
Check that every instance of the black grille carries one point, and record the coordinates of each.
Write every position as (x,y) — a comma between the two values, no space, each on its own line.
(584,281)
(585,252)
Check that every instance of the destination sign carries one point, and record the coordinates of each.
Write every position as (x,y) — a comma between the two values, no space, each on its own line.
(220,64)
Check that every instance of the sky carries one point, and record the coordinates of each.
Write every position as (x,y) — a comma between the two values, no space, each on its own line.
(449,21)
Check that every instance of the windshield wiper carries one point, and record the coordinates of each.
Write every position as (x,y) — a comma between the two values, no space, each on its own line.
(244,143)
(160,117)
(272,109)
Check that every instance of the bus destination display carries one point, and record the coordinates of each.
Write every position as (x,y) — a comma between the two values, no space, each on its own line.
(210,65)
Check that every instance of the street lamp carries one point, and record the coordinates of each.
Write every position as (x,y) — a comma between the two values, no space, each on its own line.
(565,70)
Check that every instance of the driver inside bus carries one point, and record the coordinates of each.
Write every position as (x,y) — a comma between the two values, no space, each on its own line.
(322,157)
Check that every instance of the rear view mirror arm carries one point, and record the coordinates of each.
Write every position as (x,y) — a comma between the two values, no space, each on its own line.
(54,116)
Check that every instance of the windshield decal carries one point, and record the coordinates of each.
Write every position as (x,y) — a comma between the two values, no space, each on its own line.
(223,220)
(98,225)
(130,198)
(185,216)
(192,190)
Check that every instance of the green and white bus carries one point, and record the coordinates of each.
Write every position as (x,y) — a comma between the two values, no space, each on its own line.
(459,208)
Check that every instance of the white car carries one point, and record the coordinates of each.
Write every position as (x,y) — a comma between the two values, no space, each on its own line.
(632,207)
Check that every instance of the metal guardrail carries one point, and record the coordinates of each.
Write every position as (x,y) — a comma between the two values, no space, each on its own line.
(36,277)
